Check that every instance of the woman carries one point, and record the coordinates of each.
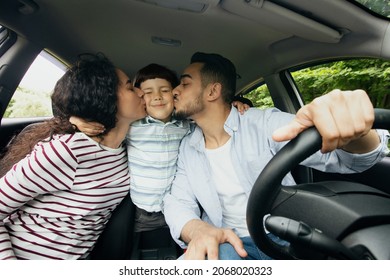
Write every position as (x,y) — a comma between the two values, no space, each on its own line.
(55,202)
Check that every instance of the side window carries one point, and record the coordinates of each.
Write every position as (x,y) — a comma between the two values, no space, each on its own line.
(260,97)
(371,75)
(32,97)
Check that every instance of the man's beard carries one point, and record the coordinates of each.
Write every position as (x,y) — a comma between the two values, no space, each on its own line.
(192,109)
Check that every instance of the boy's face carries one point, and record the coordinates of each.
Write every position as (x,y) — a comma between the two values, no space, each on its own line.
(158,98)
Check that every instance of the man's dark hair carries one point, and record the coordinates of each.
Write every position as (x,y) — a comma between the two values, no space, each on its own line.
(153,71)
(217,68)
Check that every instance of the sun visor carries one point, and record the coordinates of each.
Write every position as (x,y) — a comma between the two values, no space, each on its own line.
(282,19)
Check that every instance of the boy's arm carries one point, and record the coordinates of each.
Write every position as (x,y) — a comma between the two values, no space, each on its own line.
(241,107)
(89,128)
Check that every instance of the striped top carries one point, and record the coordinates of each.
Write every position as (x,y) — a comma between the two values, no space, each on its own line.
(152,151)
(55,202)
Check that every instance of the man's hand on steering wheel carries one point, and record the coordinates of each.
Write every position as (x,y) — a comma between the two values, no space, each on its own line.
(341,117)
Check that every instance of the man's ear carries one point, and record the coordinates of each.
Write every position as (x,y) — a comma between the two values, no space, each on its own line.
(214,92)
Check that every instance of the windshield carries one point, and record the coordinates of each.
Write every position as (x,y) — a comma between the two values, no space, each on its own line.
(380,7)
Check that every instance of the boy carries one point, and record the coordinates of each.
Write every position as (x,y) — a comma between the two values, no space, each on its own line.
(153,146)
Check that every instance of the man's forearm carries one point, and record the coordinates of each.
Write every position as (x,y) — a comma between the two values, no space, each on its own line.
(365,144)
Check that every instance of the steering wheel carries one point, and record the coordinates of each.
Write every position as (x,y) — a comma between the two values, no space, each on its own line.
(319,220)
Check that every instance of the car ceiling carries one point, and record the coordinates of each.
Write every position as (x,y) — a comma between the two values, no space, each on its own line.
(260,37)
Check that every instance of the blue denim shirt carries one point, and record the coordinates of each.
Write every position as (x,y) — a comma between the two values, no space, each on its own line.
(252,148)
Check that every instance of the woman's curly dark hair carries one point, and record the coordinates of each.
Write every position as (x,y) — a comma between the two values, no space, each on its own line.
(87,90)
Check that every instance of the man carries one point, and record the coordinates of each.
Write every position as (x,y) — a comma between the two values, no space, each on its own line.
(221,159)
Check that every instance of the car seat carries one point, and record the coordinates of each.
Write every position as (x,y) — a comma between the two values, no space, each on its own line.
(116,240)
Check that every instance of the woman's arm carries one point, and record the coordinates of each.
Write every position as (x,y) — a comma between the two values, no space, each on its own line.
(49,168)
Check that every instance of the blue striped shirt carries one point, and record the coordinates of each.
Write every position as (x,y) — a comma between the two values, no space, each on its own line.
(153,148)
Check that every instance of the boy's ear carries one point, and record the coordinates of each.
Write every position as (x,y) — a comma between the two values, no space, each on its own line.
(215,91)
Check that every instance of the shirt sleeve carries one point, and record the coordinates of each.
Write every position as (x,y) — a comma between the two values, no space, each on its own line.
(337,161)
(180,205)
(340,161)
(50,167)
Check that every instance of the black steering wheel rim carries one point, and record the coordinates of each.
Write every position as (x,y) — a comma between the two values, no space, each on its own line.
(268,184)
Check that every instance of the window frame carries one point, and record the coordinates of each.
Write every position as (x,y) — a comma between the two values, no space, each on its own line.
(295,86)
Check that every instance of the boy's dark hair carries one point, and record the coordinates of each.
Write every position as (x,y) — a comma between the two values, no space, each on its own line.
(153,71)
(217,68)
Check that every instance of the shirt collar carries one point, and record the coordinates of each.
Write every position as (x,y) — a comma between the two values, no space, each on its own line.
(149,119)
(230,126)
(232,121)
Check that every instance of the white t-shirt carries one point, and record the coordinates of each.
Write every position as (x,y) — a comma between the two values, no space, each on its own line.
(231,194)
